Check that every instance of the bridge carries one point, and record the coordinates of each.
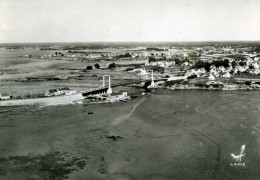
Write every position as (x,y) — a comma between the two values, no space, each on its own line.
(108,89)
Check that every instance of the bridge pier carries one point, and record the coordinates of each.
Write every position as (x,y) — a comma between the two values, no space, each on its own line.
(152,82)
(109,91)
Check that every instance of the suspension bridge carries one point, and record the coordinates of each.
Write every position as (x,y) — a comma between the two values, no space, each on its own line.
(102,88)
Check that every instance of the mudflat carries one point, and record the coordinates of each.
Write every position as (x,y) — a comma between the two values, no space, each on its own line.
(165,135)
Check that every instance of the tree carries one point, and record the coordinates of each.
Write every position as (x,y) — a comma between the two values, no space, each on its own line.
(89,67)
(177,61)
(219,63)
(201,64)
(113,65)
(192,76)
(97,66)
(248,83)
(126,55)
(157,69)
(233,64)
(242,63)
(152,59)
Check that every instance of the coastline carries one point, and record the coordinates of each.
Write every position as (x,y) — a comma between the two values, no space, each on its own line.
(47,101)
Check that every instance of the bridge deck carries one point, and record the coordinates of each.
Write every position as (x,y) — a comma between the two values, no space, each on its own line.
(104,89)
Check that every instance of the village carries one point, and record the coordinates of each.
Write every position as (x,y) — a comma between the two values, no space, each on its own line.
(197,67)
(208,67)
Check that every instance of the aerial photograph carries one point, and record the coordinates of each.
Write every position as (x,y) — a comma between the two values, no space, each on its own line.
(129,90)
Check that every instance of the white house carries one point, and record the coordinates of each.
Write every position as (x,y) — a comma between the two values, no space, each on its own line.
(256,66)
(211,77)
(142,72)
(4,96)
(226,75)
(59,91)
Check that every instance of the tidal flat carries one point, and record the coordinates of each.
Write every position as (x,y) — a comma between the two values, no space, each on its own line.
(165,135)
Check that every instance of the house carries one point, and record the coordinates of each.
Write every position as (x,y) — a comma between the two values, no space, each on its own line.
(256,66)
(59,91)
(142,72)
(4,96)
(215,85)
(255,86)
(226,75)
(52,92)
(211,77)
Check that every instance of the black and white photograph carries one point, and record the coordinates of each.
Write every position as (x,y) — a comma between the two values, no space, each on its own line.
(129,89)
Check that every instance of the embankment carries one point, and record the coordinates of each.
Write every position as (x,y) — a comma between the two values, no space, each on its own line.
(48,101)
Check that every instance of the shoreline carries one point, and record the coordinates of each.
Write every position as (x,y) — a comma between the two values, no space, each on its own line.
(47,101)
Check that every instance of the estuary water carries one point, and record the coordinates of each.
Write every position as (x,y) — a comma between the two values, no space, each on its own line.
(161,135)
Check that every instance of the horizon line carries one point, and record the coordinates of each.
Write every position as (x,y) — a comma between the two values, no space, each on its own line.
(184,41)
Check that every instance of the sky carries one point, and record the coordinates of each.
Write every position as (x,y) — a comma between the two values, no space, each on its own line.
(128,20)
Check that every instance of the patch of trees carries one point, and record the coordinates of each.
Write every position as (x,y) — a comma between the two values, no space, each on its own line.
(233,64)
(112,65)
(170,83)
(177,61)
(206,65)
(237,57)
(152,59)
(83,47)
(59,54)
(156,49)
(157,69)
(248,83)
(96,66)
(129,69)
(89,68)
(242,63)
(126,55)
(192,76)
(162,59)
(257,49)
(219,63)
(202,64)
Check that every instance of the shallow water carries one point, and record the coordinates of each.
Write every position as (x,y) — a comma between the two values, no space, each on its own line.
(166,135)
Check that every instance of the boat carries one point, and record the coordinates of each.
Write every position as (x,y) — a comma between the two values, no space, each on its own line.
(124,100)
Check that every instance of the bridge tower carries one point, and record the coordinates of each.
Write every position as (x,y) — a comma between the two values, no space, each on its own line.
(109,91)
(152,82)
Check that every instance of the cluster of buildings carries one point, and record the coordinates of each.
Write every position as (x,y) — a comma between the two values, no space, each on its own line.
(164,64)
(55,54)
(59,92)
(106,97)
(236,67)
(220,67)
